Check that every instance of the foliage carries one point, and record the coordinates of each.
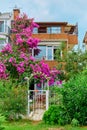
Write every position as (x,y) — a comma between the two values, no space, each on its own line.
(60,52)
(75,63)
(71,62)
(75,98)
(55,97)
(56,115)
(2,119)
(16,57)
(13,100)
(75,122)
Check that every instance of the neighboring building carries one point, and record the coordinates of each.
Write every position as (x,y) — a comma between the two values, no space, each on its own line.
(5,22)
(85,40)
(52,34)
(5,26)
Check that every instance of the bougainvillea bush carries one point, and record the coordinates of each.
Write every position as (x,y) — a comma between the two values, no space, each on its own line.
(16,60)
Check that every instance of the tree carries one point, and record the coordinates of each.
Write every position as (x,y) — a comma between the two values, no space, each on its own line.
(16,58)
(71,62)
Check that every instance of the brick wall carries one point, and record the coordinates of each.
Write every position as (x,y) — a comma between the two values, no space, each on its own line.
(51,64)
(16,13)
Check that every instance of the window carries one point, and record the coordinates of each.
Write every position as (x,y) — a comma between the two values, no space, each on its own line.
(1,26)
(35,30)
(42,54)
(53,30)
(49,53)
(46,52)
(6,28)
(2,43)
(48,30)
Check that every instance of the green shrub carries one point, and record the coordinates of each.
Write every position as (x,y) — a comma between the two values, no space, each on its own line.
(13,101)
(74,122)
(75,98)
(2,119)
(56,115)
(55,97)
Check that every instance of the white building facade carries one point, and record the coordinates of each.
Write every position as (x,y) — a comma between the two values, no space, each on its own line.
(5,26)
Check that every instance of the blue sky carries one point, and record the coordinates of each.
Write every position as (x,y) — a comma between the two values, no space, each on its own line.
(71,11)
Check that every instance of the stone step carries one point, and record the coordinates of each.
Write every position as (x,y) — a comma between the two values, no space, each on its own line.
(37,115)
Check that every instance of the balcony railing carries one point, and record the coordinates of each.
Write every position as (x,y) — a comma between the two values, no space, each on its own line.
(53,31)
(47,30)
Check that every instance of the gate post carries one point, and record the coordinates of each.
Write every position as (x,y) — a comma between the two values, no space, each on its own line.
(47,99)
(28,109)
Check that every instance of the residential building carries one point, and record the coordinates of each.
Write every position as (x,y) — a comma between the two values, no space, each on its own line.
(5,25)
(52,35)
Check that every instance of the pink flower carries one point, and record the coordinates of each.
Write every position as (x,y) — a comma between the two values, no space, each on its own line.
(7,49)
(12,60)
(32,58)
(23,56)
(59,82)
(19,40)
(3,74)
(20,68)
(35,25)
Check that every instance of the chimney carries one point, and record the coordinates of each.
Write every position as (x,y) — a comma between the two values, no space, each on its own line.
(16,13)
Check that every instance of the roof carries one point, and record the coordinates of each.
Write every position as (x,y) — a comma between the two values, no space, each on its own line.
(51,23)
(6,15)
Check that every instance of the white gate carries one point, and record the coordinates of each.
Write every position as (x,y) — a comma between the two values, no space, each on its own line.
(37,99)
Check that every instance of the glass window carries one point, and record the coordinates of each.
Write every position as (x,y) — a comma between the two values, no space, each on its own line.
(55,29)
(2,44)
(35,30)
(49,53)
(6,29)
(42,54)
(1,26)
(46,52)
(48,30)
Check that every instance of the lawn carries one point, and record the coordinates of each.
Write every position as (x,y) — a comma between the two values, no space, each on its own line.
(27,125)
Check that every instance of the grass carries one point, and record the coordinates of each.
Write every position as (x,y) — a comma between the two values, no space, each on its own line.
(28,125)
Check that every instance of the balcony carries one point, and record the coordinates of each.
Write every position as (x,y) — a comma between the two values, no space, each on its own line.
(60,31)
(71,38)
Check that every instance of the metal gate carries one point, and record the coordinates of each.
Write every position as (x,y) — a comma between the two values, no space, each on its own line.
(38,99)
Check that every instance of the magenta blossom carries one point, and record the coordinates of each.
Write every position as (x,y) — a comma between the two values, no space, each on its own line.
(3,74)
(19,40)
(7,49)
(42,71)
(12,60)
(20,68)
(32,58)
